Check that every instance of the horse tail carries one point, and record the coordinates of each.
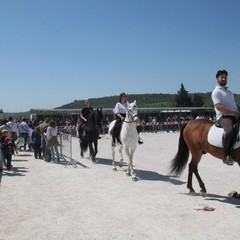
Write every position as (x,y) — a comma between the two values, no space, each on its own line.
(180,160)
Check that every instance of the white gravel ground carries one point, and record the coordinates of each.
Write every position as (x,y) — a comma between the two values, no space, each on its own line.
(44,201)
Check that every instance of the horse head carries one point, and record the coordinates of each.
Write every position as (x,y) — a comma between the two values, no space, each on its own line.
(98,116)
(132,111)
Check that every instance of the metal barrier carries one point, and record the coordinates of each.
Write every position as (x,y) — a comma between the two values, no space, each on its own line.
(65,141)
(153,128)
(148,128)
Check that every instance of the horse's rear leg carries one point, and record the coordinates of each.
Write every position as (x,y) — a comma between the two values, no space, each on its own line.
(121,155)
(190,174)
(113,157)
(201,183)
(81,151)
(193,168)
(95,149)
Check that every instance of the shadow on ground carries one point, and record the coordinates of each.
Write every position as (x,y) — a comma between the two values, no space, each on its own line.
(15,171)
(154,176)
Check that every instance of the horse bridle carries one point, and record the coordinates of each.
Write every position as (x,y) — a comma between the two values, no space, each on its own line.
(132,117)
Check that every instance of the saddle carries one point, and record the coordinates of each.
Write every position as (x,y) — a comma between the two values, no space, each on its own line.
(216,132)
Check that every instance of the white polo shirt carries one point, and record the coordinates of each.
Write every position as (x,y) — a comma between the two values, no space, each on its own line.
(224,96)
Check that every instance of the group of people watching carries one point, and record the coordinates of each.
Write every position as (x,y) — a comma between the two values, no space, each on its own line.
(36,136)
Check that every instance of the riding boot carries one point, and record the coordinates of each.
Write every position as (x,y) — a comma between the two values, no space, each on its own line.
(113,137)
(227,144)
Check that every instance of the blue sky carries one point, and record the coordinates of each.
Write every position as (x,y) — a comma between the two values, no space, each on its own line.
(53,52)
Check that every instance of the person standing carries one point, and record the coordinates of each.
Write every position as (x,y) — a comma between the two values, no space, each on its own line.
(52,142)
(36,143)
(14,128)
(24,130)
(7,152)
(14,132)
(226,111)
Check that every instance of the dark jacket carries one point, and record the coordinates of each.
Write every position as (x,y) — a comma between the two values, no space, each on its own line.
(36,137)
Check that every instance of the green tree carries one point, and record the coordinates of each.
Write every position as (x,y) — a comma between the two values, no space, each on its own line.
(197,100)
(182,98)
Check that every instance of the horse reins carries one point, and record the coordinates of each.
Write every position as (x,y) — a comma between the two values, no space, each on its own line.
(132,117)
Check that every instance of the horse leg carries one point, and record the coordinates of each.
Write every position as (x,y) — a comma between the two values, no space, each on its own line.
(193,168)
(81,151)
(130,171)
(113,157)
(91,152)
(203,190)
(190,174)
(121,160)
(95,149)
(134,177)
(129,159)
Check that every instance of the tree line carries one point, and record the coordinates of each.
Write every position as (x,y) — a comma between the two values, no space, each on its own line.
(181,99)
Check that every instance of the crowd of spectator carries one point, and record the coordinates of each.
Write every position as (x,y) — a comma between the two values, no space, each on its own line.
(24,134)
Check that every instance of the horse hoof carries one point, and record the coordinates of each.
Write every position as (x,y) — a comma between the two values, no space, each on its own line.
(128,174)
(115,169)
(203,193)
(192,193)
(134,178)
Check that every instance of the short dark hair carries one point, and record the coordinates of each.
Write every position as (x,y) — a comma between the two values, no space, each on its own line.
(220,72)
(121,95)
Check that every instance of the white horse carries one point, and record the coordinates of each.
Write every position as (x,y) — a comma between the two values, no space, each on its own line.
(128,138)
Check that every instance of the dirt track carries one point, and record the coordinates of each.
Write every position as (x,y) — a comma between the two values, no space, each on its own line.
(50,201)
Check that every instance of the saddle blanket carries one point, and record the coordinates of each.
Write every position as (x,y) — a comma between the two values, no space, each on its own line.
(215,137)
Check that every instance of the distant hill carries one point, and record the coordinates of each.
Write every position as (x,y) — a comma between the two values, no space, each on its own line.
(143,100)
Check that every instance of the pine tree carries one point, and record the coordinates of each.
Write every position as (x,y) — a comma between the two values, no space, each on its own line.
(182,98)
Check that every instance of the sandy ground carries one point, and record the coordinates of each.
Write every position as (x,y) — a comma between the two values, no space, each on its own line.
(41,200)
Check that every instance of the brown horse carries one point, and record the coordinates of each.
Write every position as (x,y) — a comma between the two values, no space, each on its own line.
(194,138)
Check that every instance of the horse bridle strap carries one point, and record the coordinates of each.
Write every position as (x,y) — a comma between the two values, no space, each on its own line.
(132,117)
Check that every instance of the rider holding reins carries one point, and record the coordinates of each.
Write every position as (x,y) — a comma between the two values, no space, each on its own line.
(120,114)
(227,112)
(85,112)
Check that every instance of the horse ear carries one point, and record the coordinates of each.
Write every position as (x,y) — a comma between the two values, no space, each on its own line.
(135,102)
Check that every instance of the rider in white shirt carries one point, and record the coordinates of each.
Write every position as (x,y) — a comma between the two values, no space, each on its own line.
(226,111)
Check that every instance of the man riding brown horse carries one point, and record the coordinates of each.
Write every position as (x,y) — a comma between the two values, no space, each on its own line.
(226,112)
